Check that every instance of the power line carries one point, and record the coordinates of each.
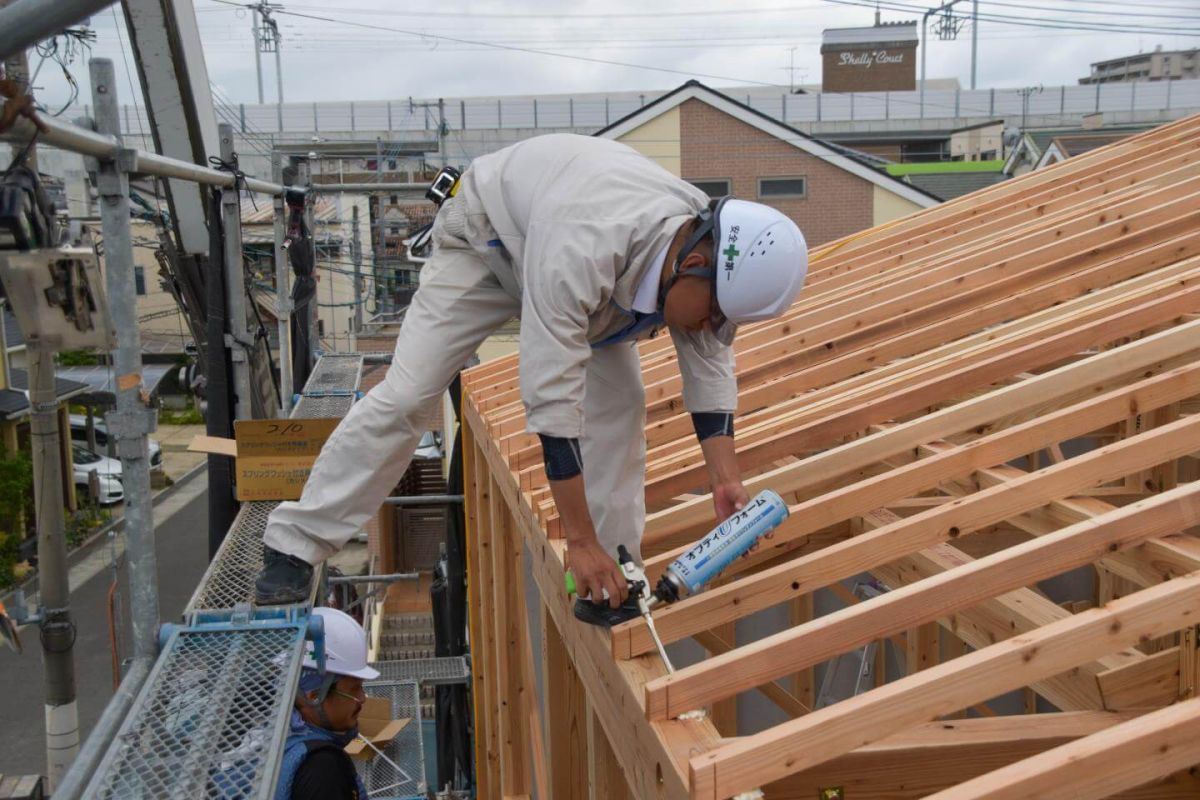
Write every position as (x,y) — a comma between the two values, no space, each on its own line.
(1038,22)
(512,48)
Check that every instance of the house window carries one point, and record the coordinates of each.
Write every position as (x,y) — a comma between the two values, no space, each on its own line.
(139,280)
(395,199)
(391,163)
(395,230)
(782,187)
(713,187)
(329,250)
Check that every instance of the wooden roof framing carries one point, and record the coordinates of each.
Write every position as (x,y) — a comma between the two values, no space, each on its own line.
(963,403)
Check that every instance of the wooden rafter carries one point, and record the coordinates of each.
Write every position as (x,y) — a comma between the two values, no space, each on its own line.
(965,402)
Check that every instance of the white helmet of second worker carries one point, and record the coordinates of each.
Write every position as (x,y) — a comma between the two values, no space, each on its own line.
(345,646)
(760,261)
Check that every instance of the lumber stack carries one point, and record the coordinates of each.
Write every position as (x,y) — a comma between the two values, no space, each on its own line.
(964,403)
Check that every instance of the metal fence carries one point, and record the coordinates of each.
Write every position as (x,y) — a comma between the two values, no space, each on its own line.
(597,111)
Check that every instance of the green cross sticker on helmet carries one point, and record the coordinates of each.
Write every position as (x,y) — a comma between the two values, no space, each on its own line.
(764,261)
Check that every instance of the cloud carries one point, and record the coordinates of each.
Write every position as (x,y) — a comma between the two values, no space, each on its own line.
(364,56)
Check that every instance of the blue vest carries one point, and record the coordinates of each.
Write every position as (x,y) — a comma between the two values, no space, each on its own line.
(301,738)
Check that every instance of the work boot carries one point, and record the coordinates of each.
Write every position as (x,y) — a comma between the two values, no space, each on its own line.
(284,579)
(603,614)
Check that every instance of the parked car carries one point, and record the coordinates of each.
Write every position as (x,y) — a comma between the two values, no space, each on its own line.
(108,476)
(79,436)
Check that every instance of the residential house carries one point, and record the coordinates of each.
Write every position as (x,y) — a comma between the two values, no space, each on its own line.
(726,147)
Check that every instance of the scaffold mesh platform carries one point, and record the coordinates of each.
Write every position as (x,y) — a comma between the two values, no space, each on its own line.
(426,671)
(212,717)
(399,771)
(211,720)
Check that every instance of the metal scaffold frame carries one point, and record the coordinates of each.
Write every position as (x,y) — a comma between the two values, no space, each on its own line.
(204,711)
(964,404)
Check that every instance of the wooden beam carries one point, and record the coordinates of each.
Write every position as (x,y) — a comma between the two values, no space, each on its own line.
(835,730)
(654,757)
(1148,683)
(1127,755)
(692,517)
(776,655)
(932,756)
(800,576)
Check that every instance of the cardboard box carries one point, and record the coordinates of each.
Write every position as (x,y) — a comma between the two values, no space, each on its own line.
(274,456)
(375,723)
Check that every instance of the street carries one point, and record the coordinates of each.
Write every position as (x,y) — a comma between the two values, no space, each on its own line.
(181,523)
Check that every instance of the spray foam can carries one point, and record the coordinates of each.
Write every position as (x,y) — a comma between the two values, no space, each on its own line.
(709,557)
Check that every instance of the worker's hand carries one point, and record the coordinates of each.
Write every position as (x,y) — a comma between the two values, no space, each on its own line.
(729,497)
(596,572)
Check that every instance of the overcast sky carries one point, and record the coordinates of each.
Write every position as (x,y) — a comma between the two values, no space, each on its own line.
(384,49)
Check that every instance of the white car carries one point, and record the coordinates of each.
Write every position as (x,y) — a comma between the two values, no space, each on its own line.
(108,476)
(79,436)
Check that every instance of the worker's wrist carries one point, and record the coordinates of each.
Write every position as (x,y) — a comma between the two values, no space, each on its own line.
(708,424)
(564,459)
(581,537)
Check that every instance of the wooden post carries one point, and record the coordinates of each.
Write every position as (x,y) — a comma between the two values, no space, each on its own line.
(475,619)
(605,776)
(508,605)
(567,713)
(800,612)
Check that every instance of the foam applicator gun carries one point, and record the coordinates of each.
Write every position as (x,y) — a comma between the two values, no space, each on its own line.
(703,561)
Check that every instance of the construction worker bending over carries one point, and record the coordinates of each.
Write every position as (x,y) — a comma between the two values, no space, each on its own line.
(315,764)
(593,246)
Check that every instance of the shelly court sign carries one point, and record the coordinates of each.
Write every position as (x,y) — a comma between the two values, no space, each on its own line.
(869,58)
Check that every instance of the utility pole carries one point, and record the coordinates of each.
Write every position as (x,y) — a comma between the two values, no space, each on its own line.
(442,127)
(267,40)
(358,284)
(1026,93)
(974,38)
(257,52)
(946,29)
(57,631)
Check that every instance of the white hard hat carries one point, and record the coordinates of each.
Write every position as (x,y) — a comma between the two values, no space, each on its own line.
(345,646)
(761,260)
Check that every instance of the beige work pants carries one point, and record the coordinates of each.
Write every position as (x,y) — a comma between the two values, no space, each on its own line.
(459,303)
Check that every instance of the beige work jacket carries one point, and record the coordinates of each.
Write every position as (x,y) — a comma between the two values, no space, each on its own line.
(570,224)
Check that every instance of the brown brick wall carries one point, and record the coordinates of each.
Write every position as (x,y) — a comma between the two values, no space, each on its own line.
(716,145)
(878,77)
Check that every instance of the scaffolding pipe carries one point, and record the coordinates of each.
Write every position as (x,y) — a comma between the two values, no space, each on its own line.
(334,580)
(380,186)
(26,22)
(132,421)
(235,285)
(100,737)
(140,162)
(283,294)
(424,500)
